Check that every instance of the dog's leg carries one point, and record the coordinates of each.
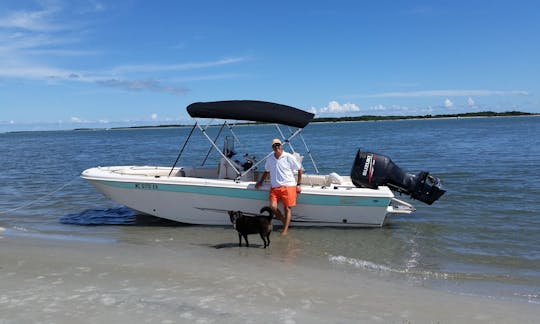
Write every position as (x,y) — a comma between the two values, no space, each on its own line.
(263,238)
(268,239)
(247,242)
(239,239)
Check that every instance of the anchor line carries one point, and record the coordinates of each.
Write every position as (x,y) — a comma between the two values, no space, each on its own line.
(40,198)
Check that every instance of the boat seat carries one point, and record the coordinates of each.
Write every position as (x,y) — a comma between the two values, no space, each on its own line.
(313,180)
(318,180)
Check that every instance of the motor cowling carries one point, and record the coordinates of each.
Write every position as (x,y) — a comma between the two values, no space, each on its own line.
(371,170)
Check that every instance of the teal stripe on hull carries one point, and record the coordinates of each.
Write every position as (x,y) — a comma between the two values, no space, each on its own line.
(308,199)
(304,199)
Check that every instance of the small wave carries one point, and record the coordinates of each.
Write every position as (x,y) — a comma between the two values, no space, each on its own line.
(22,232)
(412,262)
(531,298)
(363,264)
(423,275)
(359,263)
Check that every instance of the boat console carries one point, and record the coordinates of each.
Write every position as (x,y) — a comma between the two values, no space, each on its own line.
(371,170)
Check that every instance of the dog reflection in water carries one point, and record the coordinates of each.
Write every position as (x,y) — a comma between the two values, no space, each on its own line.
(246,225)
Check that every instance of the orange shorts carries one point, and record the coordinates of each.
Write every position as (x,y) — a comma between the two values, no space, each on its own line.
(285,194)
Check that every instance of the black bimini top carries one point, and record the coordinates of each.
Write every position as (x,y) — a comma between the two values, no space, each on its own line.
(252,110)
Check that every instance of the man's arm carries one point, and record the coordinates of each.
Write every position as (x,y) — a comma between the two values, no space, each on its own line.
(299,182)
(261,180)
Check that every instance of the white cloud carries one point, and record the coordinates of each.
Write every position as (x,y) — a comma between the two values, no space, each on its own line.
(92,7)
(470,102)
(33,72)
(142,85)
(144,68)
(335,107)
(448,103)
(64,52)
(30,34)
(76,120)
(444,93)
(208,77)
(39,21)
(378,107)
(154,116)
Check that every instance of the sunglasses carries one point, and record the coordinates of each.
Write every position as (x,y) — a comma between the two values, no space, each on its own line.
(276,145)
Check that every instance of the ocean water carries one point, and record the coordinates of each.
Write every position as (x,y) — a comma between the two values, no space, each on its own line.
(482,237)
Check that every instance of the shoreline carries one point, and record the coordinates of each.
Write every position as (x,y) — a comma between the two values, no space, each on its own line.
(325,120)
(322,120)
(77,281)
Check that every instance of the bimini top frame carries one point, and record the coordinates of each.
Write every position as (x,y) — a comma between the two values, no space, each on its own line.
(248,110)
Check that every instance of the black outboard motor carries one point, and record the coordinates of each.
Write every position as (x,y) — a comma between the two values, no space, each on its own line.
(371,170)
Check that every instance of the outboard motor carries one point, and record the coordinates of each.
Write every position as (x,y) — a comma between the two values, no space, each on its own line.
(371,170)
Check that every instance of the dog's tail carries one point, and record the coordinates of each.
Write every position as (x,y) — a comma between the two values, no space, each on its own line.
(269,211)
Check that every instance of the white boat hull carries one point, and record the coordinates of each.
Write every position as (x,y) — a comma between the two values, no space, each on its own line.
(204,201)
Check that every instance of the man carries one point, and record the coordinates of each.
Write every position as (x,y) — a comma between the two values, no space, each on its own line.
(281,166)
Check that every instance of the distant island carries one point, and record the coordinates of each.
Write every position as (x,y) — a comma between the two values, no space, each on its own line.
(461,115)
(363,118)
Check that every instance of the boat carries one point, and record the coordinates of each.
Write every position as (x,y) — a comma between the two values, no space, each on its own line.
(203,195)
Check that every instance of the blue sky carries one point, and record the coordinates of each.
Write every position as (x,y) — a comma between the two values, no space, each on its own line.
(96,63)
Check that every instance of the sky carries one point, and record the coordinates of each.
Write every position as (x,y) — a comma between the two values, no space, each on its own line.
(92,63)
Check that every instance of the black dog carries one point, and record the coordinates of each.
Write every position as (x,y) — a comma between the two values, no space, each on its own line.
(246,225)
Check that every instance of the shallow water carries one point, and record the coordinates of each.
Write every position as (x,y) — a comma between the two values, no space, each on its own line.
(481,237)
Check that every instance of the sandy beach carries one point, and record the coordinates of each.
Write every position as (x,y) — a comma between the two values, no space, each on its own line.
(59,281)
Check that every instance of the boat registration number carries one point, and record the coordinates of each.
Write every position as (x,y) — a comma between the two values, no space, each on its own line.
(146,186)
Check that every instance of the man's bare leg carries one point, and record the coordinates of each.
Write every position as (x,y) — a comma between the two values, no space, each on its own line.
(276,211)
(286,221)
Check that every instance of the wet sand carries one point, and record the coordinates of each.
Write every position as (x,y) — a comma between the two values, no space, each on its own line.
(59,281)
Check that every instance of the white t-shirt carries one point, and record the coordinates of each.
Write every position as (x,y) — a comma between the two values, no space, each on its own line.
(282,169)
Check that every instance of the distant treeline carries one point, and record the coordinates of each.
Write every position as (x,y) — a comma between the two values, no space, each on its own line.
(462,115)
(361,118)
